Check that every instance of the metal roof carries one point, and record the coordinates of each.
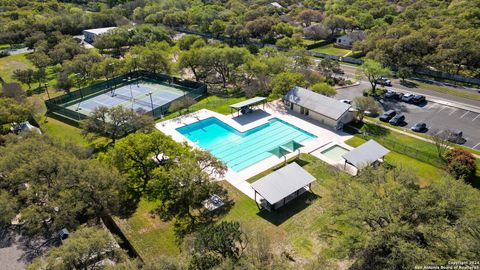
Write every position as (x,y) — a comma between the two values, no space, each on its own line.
(318,103)
(282,182)
(248,102)
(99,31)
(366,154)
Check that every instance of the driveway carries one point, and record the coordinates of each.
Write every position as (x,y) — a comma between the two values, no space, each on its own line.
(437,116)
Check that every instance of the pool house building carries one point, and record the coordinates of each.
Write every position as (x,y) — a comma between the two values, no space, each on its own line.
(326,110)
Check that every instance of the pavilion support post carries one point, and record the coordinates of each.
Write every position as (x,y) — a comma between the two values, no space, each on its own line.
(255,198)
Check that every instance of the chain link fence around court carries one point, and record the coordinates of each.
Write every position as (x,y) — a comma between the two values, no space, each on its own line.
(58,105)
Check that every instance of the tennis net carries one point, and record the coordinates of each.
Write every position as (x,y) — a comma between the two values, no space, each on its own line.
(127,98)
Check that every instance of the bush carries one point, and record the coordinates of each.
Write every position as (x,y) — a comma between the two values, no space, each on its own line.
(461,164)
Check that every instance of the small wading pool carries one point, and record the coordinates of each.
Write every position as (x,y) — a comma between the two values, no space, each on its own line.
(240,150)
(335,152)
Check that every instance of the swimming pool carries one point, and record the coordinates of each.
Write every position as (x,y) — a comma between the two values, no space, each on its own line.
(335,152)
(240,150)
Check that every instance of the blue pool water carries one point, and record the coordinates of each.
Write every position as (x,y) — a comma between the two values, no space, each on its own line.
(240,150)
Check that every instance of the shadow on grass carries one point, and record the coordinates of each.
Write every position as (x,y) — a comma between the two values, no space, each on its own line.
(408,84)
(293,207)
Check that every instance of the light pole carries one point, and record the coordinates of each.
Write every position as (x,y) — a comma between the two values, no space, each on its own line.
(46,89)
(151,102)
(130,86)
(78,84)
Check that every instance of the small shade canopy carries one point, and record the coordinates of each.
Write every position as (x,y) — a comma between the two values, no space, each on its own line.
(282,182)
(248,102)
(365,154)
(279,151)
(292,145)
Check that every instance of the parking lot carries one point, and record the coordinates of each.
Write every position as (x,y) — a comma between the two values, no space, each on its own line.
(440,117)
(437,116)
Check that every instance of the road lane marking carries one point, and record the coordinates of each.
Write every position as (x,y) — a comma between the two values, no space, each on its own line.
(454,110)
(475,118)
(443,108)
(464,114)
(476,145)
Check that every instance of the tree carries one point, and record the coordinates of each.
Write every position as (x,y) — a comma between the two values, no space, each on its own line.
(39,59)
(182,188)
(115,122)
(86,248)
(214,244)
(8,211)
(217,27)
(64,82)
(373,71)
(57,189)
(324,89)
(386,221)
(153,57)
(328,67)
(26,76)
(14,91)
(461,164)
(404,72)
(284,82)
(363,104)
(138,154)
(13,111)
(440,139)
(309,15)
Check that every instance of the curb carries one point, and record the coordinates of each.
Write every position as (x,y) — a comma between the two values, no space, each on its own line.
(430,98)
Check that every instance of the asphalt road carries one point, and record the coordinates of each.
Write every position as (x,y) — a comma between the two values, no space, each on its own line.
(437,116)
(350,72)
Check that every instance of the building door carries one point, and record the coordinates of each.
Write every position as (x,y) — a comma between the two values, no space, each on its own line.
(307,112)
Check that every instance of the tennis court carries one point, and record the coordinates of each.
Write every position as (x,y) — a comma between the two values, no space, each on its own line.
(135,95)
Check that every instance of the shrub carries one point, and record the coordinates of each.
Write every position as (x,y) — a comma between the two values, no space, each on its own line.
(461,164)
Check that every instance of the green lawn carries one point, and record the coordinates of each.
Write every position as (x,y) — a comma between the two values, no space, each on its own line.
(307,42)
(447,90)
(10,63)
(151,237)
(330,49)
(213,103)
(295,227)
(409,150)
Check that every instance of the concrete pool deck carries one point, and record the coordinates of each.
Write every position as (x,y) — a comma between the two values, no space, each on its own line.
(325,137)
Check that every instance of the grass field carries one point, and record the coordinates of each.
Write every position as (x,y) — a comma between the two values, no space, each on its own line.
(447,90)
(330,49)
(295,227)
(213,103)
(10,63)
(426,173)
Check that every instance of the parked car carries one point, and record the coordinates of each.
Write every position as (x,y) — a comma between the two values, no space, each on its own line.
(419,127)
(397,120)
(456,137)
(408,98)
(384,81)
(390,94)
(418,99)
(346,101)
(386,116)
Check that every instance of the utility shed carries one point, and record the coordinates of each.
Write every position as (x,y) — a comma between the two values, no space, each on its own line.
(91,34)
(366,154)
(282,186)
(326,110)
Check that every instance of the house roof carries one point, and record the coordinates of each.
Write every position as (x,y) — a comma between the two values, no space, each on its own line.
(276,4)
(366,154)
(99,31)
(316,102)
(248,102)
(282,182)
